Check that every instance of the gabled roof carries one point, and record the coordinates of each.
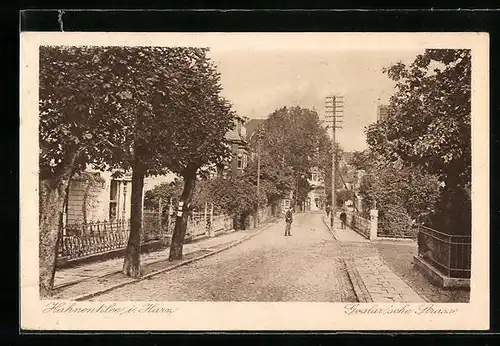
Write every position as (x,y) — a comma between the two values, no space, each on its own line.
(252,126)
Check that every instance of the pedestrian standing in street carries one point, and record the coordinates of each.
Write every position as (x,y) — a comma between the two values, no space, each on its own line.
(288,221)
(327,210)
(343,219)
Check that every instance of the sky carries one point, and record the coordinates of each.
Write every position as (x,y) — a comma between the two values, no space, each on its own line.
(257,82)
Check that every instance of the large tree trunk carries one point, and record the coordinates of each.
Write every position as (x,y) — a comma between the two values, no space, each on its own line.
(52,196)
(181,221)
(453,211)
(131,263)
(458,213)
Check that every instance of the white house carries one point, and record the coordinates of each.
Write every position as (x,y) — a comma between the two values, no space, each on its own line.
(98,196)
(317,195)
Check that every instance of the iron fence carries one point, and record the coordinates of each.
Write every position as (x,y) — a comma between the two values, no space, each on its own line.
(450,254)
(359,224)
(84,239)
(198,225)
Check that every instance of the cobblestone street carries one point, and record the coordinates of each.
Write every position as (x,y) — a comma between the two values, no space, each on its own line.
(269,267)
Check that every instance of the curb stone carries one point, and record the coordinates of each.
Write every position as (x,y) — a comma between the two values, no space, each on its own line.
(362,294)
(72,283)
(182,263)
(358,285)
(329,228)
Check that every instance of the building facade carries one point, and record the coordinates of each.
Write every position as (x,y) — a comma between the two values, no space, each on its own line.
(240,151)
(317,196)
(382,112)
(98,196)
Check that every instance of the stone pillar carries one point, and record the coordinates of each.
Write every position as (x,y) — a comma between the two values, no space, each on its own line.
(373,224)
(359,202)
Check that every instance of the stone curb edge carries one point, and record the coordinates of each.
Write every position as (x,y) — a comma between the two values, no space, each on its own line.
(113,287)
(72,283)
(329,228)
(357,283)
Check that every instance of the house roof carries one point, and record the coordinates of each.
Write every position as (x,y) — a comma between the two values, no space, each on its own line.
(252,126)
(233,136)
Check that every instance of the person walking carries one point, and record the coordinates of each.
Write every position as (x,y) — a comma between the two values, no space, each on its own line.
(288,221)
(343,219)
(328,209)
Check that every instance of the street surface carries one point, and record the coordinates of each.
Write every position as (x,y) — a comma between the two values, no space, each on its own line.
(268,267)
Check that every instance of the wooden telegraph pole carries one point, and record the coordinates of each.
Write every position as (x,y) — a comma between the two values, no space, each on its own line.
(334,109)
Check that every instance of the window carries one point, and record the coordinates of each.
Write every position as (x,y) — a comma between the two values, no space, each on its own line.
(245,161)
(113,199)
(124,207)
(240,161)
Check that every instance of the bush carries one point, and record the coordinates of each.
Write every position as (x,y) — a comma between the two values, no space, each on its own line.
(394,221)
(402,195)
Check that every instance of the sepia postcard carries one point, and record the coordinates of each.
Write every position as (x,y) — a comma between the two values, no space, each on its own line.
(254,181)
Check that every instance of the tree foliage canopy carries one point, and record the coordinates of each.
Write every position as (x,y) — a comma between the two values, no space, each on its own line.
(292,137)
(108,101)
(152,109)
(429,115)
(275,181)
(291,142)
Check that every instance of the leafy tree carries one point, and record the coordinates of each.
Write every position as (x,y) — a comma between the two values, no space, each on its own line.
(343,196)
(429,127)
(165,191)
(80,122)
(200,122)
(364,160)
(234,196)
(401,194)
(275,181)
(139,108)
(292,140)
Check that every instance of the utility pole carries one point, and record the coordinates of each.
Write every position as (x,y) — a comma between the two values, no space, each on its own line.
(334,109)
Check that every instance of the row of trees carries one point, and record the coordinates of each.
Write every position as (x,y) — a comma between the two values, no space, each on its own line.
(289,143)
(145,109)
(424,146)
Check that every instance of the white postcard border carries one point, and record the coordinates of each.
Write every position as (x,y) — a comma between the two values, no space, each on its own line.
(41,315)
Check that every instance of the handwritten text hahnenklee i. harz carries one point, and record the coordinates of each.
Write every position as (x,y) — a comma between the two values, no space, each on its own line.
(110,308)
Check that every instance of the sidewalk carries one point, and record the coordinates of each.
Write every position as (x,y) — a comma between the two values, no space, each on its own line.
(77,282)
(372,279)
